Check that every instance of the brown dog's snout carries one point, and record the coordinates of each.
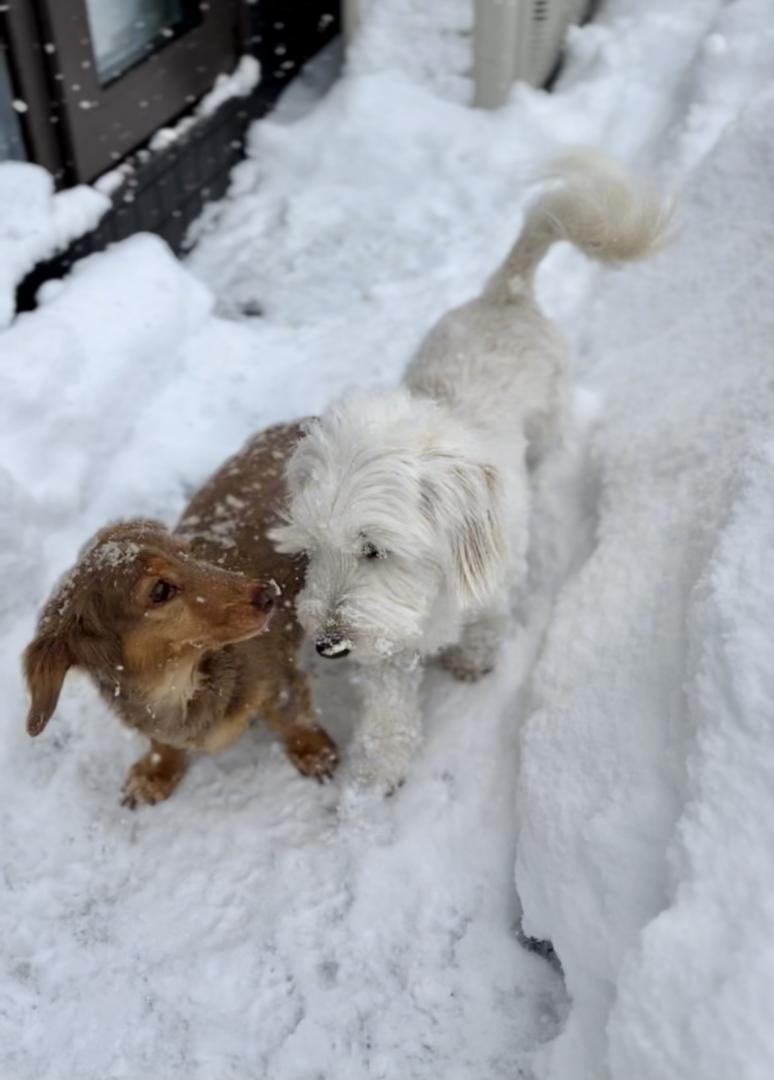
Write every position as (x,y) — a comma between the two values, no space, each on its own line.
(261,600)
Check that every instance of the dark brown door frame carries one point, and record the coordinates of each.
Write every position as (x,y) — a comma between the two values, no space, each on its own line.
(96,126)
(41,122)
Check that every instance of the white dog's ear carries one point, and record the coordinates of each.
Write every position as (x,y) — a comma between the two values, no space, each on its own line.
(462,500)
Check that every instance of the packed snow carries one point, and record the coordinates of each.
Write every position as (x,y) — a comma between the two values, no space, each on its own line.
(259,925)
(36,223)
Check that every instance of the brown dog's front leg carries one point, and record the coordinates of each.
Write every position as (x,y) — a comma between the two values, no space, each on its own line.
(311,749)
(155,776)
(307,744)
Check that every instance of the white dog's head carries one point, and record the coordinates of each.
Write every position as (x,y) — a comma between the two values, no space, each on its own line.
(400,520)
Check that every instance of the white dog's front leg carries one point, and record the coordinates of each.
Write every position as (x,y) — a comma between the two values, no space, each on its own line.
(475,655)
(390,730)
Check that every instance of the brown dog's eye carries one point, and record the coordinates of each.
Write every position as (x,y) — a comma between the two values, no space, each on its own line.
(162,591)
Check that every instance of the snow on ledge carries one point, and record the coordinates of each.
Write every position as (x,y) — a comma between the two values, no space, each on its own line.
(240,83)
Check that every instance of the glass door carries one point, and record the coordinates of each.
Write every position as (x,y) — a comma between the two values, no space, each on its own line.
(124,32)
(124,68)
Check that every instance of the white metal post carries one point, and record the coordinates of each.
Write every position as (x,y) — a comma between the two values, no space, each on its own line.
(496,39)
(349,16)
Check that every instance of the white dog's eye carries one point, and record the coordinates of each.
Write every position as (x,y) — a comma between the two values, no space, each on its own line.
(371,551)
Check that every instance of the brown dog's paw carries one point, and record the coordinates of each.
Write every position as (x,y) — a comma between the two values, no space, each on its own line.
(312,751)
(153,778)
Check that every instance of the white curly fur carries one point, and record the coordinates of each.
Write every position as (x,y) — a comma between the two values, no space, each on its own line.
(412,504)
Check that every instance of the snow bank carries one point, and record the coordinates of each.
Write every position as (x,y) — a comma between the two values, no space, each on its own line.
(646,809)
(35,223)
(66,371)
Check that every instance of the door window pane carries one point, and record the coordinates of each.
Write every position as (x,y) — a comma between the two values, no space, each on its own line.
(126,31)
(11,142)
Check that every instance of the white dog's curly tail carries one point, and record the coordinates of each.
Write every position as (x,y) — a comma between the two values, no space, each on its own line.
(594,205)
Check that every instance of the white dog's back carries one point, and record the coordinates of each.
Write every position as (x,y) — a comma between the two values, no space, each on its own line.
(497,356)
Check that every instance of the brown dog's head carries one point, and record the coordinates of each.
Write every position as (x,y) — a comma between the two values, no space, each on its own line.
(135,601)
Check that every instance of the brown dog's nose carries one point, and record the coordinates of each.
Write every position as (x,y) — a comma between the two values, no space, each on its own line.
(261,600)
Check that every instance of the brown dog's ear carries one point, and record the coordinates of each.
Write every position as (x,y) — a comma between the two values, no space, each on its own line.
(46,662)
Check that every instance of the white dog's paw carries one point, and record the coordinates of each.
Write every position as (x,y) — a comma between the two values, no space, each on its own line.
(377,776)
(467,665)
(382,763)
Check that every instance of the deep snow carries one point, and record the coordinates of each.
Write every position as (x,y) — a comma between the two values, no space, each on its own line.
(259,926)
(646,824)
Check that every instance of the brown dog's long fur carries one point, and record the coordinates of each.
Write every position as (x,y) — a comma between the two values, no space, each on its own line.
(170,626)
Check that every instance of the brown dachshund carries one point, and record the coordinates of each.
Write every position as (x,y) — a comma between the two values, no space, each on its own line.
(172,627)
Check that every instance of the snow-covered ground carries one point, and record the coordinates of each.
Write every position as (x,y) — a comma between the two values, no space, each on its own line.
(621,756)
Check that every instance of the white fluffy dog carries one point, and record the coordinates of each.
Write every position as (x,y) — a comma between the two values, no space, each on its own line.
(412,505)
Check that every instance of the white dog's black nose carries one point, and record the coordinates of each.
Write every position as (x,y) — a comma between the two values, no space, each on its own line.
(333,646)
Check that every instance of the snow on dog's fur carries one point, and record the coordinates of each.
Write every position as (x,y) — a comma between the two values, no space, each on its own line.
(412,504)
